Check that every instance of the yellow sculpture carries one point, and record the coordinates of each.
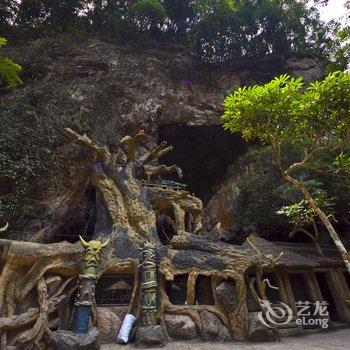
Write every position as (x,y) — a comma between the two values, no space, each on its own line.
(93,250)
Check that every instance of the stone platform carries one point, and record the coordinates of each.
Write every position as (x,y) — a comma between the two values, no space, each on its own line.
(327,340)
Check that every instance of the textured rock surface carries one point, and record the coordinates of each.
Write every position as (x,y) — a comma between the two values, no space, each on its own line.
(152,336)
(65,340)
(308,68)
(221,207)
(180,327)
(227,295)
(106,91)
(213,328)
(257,331)
(119,311)
(108,325)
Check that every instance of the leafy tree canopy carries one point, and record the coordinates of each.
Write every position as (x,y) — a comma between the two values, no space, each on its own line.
(281,110)
(213,30)
(315,120)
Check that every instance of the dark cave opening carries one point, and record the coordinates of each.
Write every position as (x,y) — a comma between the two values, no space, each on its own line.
(83,223)
(203,152)
(165,228)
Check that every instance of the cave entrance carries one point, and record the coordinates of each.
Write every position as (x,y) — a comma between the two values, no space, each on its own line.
(203,152)
(80,221)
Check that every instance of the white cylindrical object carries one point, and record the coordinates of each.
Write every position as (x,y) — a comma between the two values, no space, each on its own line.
(125,329)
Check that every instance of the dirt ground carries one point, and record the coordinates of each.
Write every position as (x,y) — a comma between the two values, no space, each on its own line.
(337,340)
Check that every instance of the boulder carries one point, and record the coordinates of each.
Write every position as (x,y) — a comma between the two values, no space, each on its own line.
(213,329)
(180,327)
(257,331)
(108,324)
(221,207)
(226,292)
(152,336)
(66,340)
(119,311)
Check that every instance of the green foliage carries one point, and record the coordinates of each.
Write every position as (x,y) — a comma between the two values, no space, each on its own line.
(146,16)
(8,11)
(148,10)
(211,33)
(342,163)
(262,110)
(339,46)
(300,214)
(316,120)
(180,15)
(282,111)
(259,196)
(255,29)
(313,122)
(9,70)
(212,30)
(264,195)
(326,105)
(50,16)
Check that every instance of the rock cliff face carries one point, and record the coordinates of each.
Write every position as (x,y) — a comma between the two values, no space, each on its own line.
(108,91)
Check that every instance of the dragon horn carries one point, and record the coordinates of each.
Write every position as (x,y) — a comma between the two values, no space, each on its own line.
(2,229)
(83,243)
(105,243)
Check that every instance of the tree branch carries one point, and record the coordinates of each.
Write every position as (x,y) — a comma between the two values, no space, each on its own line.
(157,152)
(299,229)
(101,152)
(150,170)
(298,165)
(130,144)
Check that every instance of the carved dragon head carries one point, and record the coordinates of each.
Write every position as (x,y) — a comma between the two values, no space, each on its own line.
(93,250)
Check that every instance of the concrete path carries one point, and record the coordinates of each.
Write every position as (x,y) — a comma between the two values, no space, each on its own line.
(337,340)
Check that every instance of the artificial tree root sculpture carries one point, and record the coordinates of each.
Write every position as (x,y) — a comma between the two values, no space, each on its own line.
(38,281)
(46,271)
(259,295)
(50,273)
(116,177)
(199,256)
(265,261)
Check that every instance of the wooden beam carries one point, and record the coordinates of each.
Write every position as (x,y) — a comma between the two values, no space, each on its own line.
(3,340)
(312,287)
(191,288)
(316,286)
(281,287)
(289,291)
(337,291)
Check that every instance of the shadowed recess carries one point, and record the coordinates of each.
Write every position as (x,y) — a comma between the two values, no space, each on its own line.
(203,152)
